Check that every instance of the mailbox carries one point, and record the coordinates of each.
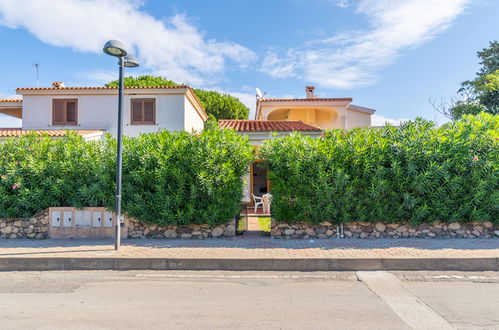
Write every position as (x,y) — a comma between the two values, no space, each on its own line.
(97,219)
(83,218)
(67,219)
(56,218)
(108,219)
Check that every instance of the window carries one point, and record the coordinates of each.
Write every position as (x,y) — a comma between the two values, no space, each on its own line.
(64,111)
(143,112)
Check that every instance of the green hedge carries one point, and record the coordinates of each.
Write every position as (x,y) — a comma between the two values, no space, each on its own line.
(37,172)
(178,178)
(417,173)
(168,178)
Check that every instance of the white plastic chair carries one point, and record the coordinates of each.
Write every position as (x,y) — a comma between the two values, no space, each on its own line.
(258,201)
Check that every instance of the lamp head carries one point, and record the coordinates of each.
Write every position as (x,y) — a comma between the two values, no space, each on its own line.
(114,48)
(131,61)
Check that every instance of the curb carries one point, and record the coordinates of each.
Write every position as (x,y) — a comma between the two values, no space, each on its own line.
(306,264)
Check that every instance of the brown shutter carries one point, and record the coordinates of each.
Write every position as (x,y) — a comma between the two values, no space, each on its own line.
(71,112)
(149,111)
(136,111)
(58,112)
(143,112)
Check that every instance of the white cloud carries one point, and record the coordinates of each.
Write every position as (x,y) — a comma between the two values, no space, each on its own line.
(353,58)
(377,120)
(248,99)
(171,47)
(342,3)
(100,77)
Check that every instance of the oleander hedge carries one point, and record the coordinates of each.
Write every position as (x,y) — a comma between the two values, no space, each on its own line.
(168,177)
(181,179)
(418,173)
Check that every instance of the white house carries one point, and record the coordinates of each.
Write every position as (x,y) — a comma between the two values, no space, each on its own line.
(83,109)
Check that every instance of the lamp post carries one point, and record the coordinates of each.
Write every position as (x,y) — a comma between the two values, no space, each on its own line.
(117,49)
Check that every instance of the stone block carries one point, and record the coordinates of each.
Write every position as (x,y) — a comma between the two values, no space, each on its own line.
(381,227)
(217,232)
(230,231)
(170,233)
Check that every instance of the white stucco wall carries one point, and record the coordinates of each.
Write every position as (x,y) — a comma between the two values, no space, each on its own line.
(173,112)
(192,120)
(358,119)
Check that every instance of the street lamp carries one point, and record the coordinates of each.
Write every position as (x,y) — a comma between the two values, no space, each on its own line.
(117,49)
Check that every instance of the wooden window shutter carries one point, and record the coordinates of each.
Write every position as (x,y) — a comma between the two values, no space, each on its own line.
(58,112)
(136,111)
(149,111)
(71,112)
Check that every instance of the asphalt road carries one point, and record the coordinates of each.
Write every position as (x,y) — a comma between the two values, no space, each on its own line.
(248,300)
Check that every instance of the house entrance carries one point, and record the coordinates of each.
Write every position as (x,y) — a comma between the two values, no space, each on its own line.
(259,217)
(259,181)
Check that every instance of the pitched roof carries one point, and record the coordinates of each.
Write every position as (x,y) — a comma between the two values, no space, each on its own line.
(96,87)
(330,99)
(17,132)
(267,126)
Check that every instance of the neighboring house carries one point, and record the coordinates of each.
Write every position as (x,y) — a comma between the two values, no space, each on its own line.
(95,108)
(325,113)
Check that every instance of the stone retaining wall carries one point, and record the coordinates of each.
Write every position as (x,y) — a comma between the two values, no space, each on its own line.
(382,230)
(35,227)
(139,230)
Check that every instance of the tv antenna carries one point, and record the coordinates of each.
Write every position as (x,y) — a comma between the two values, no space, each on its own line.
(259,93)
(37,68)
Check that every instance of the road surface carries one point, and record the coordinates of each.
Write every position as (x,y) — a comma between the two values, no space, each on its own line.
(248,300)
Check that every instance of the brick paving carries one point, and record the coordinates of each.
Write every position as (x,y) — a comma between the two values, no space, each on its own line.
(253,247)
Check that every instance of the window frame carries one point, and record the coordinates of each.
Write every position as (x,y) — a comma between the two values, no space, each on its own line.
(142,121)
(65,112)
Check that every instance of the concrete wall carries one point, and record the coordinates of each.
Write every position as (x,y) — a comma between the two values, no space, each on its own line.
(173,112)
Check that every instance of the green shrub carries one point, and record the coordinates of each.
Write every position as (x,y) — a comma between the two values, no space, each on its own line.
(168,178)
(37,172)
(178,178)
(417,173)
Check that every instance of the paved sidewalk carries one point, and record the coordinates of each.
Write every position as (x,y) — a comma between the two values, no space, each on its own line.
(252,253)
(253,248)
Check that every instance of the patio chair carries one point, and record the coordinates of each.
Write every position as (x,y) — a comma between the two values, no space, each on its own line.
(258,201)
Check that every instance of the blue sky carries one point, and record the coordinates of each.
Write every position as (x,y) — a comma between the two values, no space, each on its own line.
(388,55)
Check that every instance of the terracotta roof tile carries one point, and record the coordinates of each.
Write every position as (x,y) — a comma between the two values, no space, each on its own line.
(330,99)
(17,132)
(11,100)
(96,87)
(267,126)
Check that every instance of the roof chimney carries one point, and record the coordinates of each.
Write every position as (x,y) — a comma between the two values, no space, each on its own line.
(310,92)
(57,84)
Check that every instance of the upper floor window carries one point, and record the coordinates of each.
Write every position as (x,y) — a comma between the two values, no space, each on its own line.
(143,112)
(64,111)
